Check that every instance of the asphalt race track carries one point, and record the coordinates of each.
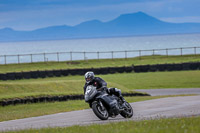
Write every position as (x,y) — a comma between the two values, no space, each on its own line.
(160,92)
(165,107)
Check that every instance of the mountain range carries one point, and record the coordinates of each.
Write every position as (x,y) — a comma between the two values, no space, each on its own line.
(125,25)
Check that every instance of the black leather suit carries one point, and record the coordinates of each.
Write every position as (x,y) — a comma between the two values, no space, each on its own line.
(97,82)
(101,84)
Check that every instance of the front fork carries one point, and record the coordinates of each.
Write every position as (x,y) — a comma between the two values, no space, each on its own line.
(101,105)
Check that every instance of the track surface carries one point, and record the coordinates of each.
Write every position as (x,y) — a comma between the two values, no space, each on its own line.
(160,92)
(164,107)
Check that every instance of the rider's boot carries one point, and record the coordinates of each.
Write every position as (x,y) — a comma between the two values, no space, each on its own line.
(118,92)
(122,99)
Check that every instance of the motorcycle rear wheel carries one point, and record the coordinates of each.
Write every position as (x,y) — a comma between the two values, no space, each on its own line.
(128,111)
(100,112)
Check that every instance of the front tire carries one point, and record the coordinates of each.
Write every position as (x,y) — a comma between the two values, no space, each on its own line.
(128,110)
(100,111)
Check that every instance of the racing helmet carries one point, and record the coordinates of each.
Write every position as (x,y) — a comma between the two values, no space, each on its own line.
(89,76)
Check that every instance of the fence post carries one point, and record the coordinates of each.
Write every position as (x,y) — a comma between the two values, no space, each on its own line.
(5,59)
(44,57)
(181,51)
(195,51)
(31,58)
(167,52)
(140,54)
(18,59)
(84,55)
(125,54)
(153,51)
(112,54)
(71,55)
(58,57)
(98,55)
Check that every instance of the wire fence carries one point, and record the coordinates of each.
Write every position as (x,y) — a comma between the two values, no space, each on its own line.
(72,56)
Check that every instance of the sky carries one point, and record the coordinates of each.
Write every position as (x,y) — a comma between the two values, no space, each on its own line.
(29,15)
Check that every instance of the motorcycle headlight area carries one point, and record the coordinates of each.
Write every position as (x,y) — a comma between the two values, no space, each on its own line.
(90,92)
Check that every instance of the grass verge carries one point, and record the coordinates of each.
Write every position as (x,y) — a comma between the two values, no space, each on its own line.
(156,59)
(170,125)
(127,82)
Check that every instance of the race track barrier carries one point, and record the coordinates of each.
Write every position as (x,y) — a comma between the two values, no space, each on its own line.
(104,70)
(16,101)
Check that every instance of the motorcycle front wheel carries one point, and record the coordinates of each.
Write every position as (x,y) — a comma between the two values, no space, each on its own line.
(128,111)
(100,111)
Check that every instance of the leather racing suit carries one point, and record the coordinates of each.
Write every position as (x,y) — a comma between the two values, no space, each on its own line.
(100,84)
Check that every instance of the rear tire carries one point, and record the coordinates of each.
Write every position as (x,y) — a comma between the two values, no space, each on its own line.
(100,112)
(128,111)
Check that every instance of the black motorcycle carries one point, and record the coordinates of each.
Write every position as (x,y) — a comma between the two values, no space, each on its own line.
(105,105)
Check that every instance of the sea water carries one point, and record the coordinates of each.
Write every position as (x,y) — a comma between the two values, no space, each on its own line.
(77,49)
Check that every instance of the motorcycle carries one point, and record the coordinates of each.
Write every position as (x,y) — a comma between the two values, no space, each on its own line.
(105,105)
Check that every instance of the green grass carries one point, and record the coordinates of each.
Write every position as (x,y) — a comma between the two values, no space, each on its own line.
(74,84)
(38,109)
(98,63)
(170,125)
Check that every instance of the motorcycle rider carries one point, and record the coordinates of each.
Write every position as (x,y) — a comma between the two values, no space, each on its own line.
(100,84)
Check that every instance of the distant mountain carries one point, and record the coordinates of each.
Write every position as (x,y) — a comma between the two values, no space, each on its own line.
(125,25)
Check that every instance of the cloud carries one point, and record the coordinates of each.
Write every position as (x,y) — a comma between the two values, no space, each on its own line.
(193,19)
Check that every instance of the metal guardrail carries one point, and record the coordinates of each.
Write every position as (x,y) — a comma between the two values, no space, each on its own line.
(71,56)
